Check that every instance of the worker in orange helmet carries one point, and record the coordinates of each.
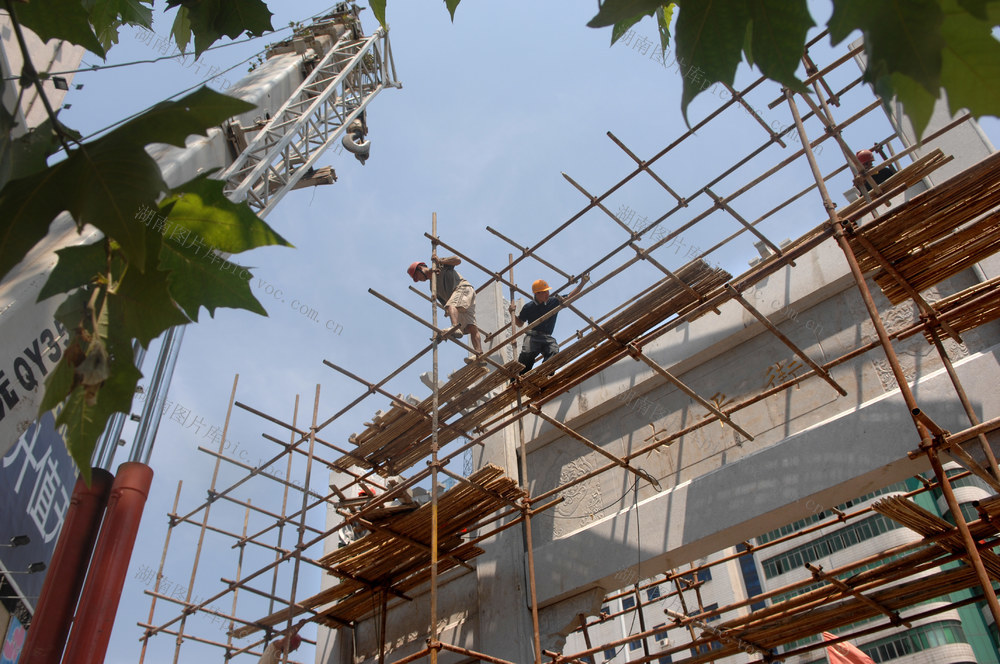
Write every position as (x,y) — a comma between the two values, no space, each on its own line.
(273,653)
(456,295)
(539,339)
(867,159)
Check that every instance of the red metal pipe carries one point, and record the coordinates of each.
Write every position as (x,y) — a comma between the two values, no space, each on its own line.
(54,614)
(88,642)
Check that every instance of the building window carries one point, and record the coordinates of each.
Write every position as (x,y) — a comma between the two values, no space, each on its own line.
(609,654)
(653,593)
(628,603)
(660,636)
(751,580)
(828,544)
(898,487)
(915,640)
(635,645)
(665,660)
(711,607)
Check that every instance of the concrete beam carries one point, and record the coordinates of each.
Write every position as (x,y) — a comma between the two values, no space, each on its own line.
(860,450)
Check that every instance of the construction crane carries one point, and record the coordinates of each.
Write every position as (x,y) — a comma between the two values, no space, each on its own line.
(310,91)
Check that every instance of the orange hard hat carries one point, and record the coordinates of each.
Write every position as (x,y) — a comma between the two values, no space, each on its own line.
(539,285)
(865,156)
(412,270)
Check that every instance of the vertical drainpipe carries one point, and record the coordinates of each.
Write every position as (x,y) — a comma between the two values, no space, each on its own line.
(54,614)
(91,633)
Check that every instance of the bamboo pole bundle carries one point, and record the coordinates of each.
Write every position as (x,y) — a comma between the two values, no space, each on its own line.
(937,233)
(905,178)
(969,308)
(921,521)
(382,559)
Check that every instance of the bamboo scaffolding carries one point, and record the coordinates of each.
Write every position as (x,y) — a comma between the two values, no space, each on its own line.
(919,242)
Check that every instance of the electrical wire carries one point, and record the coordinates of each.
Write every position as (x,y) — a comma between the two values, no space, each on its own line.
(200,83)
(90,68)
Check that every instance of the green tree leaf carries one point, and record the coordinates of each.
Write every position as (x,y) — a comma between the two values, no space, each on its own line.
(86,412)
(210,20)
(618,11)
(917,102)
(77,266)
(58,385)
(30,152)
(779,31)
(970,66)
(173,121)
(70,22)
(619,29)
(143,305)
(201,207)
(378,9)
(206,280)
(709,43)
(105,182)
(452,6)
(108,15)
(904,36)
(181,29)
(663,17)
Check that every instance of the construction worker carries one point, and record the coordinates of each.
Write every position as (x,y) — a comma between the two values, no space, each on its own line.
(867,158)
(456,295)
(539,339)
(273,653)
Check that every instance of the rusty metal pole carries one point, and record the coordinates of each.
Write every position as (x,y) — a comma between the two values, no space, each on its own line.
(53,615)
(966,404)
(88,642)
(859,277)
(963,528)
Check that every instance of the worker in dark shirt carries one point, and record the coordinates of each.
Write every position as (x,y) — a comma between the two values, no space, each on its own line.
(539,339)
(867,158)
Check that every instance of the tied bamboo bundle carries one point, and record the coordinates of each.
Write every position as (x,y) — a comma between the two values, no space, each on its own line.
(936,234)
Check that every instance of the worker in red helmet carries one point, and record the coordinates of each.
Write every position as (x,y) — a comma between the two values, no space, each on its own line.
(456,295)
(867,159)
(273,653)
(539,339)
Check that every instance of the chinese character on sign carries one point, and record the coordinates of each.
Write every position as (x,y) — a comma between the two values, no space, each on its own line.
(49,498)
(779,372)
(720,401)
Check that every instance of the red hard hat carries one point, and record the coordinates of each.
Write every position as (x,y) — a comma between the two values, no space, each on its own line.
(294,641)
(865,156)
(412,270)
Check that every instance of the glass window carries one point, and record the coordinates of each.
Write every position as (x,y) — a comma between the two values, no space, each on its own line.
(652,593)
(628,602)
(849,535)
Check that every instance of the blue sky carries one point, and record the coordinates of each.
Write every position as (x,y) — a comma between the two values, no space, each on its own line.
(493,109)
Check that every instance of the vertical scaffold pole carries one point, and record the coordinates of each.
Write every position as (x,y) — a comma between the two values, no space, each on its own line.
(526,502)
(204,520)
(159,572)
(434,448)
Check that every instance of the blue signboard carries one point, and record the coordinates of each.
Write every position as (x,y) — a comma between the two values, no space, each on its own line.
(37,477)
(13,642)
